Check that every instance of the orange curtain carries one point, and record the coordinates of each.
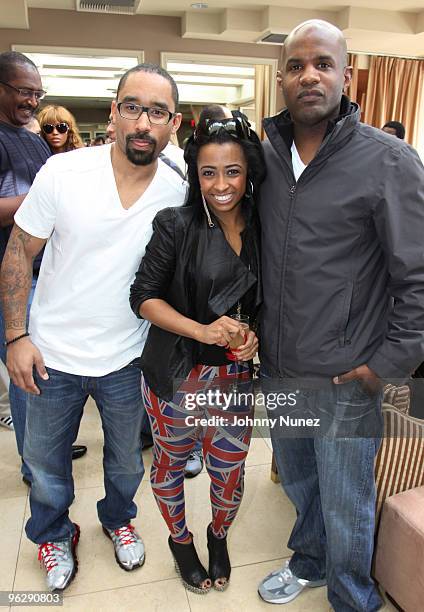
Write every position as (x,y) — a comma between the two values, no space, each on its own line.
(394,93)
(352,90)
(262,97)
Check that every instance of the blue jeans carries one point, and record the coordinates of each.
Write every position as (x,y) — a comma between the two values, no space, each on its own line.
(329,477)
(17,396)
(52,424)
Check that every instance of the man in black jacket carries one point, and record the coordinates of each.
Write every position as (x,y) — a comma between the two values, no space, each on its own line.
(343,273)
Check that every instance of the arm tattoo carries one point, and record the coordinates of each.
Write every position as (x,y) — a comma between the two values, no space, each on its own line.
(16,277)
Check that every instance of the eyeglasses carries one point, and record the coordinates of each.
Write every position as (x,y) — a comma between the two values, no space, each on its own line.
(238,127)
(155,114)
(27,93)
(62,128)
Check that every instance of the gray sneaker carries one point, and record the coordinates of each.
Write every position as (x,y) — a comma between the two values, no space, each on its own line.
(129,547)
(283,586)
(59,559)
(194,464)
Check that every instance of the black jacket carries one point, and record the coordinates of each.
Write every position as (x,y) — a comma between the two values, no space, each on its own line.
(195,270)
(343,255)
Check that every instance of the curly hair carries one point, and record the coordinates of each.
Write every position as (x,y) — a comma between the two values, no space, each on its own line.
(59,114)
(250,145)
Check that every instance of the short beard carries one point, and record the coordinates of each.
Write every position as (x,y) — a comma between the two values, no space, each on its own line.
(140,158)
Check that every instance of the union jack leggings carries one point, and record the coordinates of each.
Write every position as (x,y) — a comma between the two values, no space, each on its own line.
(225,444)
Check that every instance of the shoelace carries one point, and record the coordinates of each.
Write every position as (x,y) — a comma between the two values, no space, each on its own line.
(196,454)
(47,555)
(286,574)
(126,535)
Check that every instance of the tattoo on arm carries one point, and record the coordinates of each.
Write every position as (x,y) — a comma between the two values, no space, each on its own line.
(16,277)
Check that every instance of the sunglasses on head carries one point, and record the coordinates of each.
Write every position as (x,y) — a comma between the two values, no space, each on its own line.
(62,128)
(237,126)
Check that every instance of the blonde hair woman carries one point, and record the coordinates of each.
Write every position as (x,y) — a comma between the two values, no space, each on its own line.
(59,129)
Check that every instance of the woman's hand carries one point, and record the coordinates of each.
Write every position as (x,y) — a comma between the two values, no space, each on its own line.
(219,332)
(247,350)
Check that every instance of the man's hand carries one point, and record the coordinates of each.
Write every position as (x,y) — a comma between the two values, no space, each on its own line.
(369,379)
(22,356)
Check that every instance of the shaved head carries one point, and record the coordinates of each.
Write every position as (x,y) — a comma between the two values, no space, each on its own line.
(314,72)
(313,26)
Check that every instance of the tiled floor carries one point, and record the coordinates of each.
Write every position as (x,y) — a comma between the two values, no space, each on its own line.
(256,542)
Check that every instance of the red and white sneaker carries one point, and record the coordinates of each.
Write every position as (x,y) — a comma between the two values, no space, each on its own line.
(59,559)
(129,547)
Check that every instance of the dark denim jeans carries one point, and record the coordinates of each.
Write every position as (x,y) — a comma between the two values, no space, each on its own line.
(329,477)
(52,424)
(17,396)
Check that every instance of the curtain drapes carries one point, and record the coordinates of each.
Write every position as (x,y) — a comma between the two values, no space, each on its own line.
(352,90)
(394,92)
(262,96)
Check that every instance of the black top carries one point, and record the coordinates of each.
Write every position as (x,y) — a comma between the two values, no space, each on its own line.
(22,154)
(192,267)
(212,354)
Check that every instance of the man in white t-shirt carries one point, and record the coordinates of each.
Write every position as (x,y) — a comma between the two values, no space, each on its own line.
(93,209)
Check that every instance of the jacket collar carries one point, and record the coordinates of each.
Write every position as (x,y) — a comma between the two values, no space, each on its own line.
(279,128)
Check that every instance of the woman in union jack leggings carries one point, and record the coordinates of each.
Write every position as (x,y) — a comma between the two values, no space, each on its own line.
(200,271)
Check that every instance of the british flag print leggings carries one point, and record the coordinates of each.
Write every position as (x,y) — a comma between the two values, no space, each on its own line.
(226,437)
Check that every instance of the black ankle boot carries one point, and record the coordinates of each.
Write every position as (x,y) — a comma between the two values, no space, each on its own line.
(188,566)
(219,561)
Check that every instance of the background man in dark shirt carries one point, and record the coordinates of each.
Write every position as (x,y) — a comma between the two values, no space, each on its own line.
(22,154)
(395,128)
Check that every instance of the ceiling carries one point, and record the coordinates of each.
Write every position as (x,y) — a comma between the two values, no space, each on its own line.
(375,26)
(178,7)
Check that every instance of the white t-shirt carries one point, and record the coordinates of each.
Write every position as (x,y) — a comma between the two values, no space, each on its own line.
(298,165)
(81,318)
(176,155)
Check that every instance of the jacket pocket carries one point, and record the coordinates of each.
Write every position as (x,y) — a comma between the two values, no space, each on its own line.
(345,315)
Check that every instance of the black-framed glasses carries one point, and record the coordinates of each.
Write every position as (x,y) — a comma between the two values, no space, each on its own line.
(155,114)
(236,126)
(62,128)
(27,93)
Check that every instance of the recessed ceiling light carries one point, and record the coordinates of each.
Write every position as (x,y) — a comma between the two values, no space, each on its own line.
(199,5)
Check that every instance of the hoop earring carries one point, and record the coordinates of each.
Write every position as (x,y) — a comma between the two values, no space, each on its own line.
(249,190)
(205,206)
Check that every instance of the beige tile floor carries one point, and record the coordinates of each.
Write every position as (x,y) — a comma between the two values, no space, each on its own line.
(256,542)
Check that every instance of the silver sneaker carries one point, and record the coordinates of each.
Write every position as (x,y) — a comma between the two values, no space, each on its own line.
(129,547)
(194,464)
(283,586)
(59,559)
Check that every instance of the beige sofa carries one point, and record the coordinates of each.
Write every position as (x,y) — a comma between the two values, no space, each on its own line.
(400,461)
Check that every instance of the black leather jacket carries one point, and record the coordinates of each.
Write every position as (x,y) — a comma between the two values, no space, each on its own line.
(195,270)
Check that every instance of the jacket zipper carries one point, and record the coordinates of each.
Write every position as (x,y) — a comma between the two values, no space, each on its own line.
(292,194)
